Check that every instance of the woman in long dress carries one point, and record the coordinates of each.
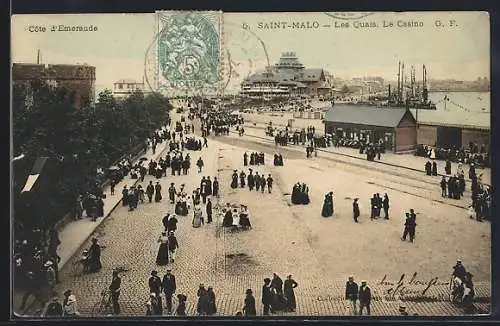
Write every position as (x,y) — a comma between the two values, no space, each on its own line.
(228,219)
(327,210)
(162,257)
(296,193)
(158,196)
(183,205)
(197,217)
(289,293)
(305,194)
(244,220)
(234,182)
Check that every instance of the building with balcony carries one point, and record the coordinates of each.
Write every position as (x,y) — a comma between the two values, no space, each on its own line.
(124,87)
(287,78)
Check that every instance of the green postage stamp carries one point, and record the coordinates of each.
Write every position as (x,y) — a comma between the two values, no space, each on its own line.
(188,51)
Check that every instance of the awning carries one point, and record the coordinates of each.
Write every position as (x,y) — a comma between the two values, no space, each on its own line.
(35,173)
(30,182)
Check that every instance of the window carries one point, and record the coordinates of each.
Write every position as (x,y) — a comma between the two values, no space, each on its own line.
(120,86)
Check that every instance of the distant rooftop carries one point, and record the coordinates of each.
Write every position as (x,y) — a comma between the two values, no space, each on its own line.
(366,115)
(127,81)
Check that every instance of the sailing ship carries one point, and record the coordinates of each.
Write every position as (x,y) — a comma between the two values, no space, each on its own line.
(410,95)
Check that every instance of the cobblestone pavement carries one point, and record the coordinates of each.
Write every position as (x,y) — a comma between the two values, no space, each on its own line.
(319,253)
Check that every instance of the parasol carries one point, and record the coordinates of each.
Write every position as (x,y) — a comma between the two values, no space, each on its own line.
(114,168)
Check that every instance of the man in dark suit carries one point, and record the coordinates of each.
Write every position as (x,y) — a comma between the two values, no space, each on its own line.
(355,209)
(115,288)
(351,292)
(277,284)
(267,296)
(365,298)
(410,225)
(209,211)
(169,288)
(154,283)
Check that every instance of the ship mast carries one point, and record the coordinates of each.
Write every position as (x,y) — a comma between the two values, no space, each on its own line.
(402,81)
(398,94)
(424,84)
(412,80)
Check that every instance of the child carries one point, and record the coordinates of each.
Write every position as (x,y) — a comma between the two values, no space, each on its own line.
(181,307)
(471,212)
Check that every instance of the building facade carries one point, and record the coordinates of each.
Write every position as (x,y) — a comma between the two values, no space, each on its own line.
(287,78)
(395,127)
(452,136)
(124,87)
(79,79)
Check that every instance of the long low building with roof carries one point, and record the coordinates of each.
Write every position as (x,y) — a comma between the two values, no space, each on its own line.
(453,126)
(395,127)
(401,129)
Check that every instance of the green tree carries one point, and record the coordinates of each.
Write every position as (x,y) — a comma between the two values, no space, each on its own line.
(77,141)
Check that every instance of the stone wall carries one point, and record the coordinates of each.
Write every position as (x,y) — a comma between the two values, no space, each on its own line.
(77,78)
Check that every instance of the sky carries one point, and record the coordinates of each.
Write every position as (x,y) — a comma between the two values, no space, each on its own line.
(118,48)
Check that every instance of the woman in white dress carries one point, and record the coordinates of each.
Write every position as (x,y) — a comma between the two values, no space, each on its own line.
(236,217)
(433,154)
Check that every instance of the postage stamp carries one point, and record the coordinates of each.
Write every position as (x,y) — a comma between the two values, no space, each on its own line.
(188,51)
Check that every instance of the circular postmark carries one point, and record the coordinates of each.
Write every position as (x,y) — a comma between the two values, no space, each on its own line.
(348,15)
(184,55)
(243,54)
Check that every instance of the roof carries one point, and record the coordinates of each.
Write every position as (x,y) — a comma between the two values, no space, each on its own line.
(475,113)
(127,81)
(284,75)
(310,74)
(365,115)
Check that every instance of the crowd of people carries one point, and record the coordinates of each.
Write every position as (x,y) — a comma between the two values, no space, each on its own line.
(254,181)
(455,186)
(276,296)
(300,194)
(236,217)
(219,122)
(255,158)
(278,160)
(478,155)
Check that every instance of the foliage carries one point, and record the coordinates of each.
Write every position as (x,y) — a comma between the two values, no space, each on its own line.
(77,142)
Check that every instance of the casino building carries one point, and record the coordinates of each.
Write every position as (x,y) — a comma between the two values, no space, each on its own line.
(287,78)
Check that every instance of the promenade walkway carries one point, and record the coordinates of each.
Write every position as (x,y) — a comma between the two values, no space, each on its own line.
(74,234)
